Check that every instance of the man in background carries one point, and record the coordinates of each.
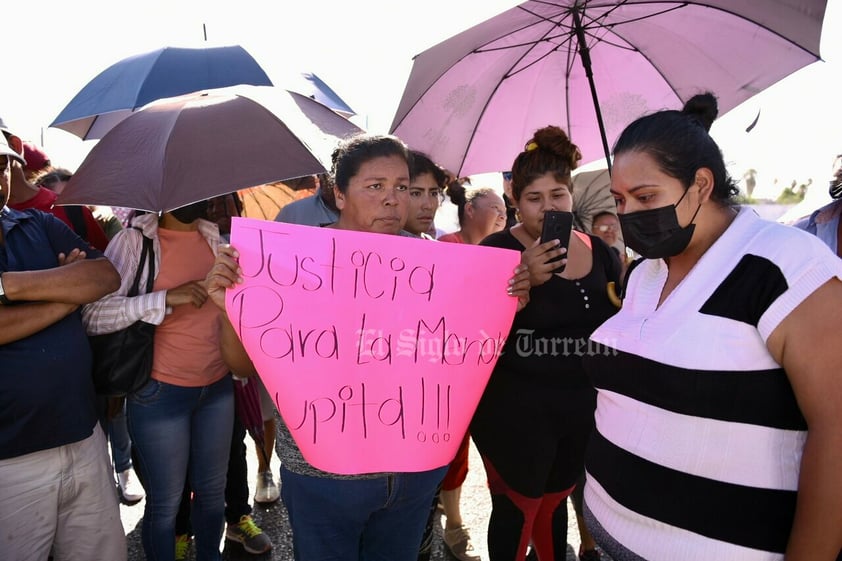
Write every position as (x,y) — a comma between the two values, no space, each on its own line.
(316,210)
(825,222)
(25,194)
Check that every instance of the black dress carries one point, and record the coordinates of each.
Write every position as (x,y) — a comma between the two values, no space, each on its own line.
(535,416)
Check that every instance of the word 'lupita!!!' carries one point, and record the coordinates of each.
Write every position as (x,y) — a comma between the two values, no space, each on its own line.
(372,412)
(369,273)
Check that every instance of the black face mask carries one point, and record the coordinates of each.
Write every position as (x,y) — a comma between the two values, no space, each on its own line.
(191,213)
(656,233)
(835,187)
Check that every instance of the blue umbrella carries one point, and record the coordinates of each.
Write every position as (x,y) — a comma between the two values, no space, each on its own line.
(314,87)
(167,72)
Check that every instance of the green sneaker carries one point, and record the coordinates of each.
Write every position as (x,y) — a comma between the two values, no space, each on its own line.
(182,546)
(249,534)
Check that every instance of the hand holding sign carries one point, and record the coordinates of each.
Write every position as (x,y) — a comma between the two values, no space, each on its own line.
(376,348)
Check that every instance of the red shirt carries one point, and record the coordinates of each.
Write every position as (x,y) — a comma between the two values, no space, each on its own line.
(45,200)
(455,237)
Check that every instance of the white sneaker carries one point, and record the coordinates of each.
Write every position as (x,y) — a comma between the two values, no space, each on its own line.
(267,490)
(130,487)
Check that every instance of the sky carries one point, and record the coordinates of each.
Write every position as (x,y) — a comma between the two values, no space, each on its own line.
(363,49)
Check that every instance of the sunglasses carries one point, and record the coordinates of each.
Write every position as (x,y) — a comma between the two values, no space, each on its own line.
(507,175)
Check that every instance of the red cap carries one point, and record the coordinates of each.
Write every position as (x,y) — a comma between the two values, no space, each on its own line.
(36,158)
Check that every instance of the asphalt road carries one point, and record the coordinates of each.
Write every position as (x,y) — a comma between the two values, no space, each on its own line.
(476,507)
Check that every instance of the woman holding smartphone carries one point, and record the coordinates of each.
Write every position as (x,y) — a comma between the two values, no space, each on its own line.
(536,414)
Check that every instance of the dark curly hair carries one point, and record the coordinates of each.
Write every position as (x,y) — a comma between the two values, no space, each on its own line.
(548,151)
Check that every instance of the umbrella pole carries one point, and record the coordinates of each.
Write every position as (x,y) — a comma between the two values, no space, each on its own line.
(585,54)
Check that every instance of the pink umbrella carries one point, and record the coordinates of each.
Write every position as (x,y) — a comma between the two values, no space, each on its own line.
(593,66)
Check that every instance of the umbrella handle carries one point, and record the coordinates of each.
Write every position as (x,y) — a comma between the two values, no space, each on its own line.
(585,54)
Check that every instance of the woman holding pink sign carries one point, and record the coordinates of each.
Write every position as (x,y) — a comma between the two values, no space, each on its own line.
(536,414)
(368,515)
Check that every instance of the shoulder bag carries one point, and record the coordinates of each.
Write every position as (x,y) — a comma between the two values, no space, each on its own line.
(122,361)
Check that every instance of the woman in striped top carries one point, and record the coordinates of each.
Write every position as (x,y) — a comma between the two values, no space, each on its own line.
(718,420)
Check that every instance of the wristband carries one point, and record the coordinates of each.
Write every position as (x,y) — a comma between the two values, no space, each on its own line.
(3,299)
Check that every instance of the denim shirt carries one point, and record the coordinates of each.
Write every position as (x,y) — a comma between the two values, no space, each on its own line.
(824,224)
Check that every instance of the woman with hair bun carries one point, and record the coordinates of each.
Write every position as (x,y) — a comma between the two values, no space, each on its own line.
(481,212)
(718,426)
(536,414)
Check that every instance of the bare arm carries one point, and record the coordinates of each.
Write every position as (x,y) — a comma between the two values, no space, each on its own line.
(22,320)
(233,352)
(224,274)
(79,282)
(807,345)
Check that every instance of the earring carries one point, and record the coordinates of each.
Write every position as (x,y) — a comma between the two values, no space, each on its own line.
(517,215)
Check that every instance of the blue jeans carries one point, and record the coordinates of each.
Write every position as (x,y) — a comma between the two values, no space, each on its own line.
(121,443)
(174,427)
(379,519)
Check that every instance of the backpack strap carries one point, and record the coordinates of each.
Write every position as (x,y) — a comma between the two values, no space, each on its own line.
(147,254)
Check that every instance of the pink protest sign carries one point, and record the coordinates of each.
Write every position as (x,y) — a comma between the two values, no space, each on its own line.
(376,348)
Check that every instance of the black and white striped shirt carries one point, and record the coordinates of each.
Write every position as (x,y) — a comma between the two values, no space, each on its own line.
(698,439)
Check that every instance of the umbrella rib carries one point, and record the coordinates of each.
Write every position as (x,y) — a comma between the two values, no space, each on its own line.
(595,31)
(479,49)
(718,9)
(137,103)
(532,45)
(497,86)
(589,29)
(257,202)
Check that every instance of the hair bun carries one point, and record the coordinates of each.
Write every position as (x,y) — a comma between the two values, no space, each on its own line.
(555,140)
(703,107)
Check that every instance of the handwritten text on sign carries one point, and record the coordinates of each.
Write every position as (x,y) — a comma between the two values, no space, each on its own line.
(376,348)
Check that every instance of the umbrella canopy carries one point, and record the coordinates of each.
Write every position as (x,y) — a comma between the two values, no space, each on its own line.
(591,67)
(177,151)
(138,80)
(591,195)
(314,87)
(266,201)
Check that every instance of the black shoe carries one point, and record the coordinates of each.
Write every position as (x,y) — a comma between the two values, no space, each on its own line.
(589,555)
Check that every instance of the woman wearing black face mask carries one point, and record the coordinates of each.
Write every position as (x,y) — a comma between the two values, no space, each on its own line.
(182,418)
(718,425)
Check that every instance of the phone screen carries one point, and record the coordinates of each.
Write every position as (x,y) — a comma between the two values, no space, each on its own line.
(557,226)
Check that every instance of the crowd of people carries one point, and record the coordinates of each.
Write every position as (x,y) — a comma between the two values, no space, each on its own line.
(696,419)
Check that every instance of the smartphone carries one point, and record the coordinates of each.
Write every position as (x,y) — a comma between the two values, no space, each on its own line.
(557,226)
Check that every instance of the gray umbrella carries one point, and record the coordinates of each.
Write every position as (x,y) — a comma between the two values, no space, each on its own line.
(591,195)
(180,150)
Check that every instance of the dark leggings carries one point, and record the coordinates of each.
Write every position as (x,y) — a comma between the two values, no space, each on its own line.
(517,520)
(577,497)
